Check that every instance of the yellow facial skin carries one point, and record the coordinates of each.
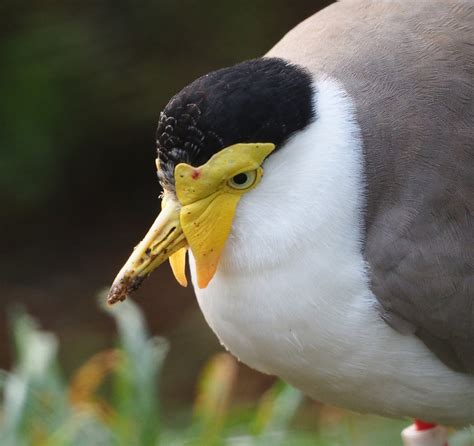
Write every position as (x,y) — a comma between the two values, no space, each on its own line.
(200,218)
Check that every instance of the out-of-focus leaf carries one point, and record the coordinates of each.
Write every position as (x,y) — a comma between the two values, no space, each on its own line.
(136,393)
(275,411)
(88,378)
(34,386)
(213,398)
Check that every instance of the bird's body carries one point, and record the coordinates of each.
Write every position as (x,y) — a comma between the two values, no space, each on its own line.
(348,267)
(314,320)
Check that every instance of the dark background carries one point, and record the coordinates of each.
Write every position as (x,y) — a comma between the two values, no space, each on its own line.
(81,88)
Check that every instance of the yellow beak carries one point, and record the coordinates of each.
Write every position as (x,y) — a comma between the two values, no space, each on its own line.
(199,217)
(203,225)
(163,239)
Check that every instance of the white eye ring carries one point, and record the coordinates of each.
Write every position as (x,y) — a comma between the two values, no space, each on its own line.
(243,180)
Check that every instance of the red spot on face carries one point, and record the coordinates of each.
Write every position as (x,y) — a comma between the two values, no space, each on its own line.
(195,174)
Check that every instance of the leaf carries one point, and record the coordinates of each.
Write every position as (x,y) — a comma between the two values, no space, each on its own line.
(88,378)
(275,411)
(136,390)
(215,388)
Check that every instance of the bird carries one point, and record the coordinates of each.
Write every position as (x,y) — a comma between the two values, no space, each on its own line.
(323,194)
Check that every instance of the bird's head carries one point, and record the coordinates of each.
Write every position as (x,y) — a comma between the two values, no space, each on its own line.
(213,139)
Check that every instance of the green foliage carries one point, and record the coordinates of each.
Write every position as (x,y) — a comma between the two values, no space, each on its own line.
(40,408)
(136,418)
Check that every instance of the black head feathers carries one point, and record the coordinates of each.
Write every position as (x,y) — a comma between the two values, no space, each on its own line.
(260,100)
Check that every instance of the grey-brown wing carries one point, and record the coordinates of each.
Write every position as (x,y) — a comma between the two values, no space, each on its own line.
(420,219)
(422,271)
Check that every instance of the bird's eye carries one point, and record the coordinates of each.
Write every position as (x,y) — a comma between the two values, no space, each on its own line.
(243,180)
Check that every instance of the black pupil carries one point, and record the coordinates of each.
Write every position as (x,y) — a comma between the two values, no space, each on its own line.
(240,179)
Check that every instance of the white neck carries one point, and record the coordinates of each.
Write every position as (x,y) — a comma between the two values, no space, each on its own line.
(310,196)
(291,295)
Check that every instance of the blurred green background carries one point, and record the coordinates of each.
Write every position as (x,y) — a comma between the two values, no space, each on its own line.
(81,88)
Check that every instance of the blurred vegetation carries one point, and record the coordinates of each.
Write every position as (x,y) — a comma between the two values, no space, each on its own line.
(112,399)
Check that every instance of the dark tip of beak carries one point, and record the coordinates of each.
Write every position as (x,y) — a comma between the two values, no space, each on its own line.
(127,285)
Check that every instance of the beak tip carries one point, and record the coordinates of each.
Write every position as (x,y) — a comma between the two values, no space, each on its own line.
(117,293)
(123,287)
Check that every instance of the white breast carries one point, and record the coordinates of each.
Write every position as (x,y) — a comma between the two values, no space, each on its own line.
(291,294)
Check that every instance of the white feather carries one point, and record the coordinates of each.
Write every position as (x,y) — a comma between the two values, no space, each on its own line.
(291,294)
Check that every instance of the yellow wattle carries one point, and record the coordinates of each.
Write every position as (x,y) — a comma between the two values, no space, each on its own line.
(206,225)
(209,201)
(178,266)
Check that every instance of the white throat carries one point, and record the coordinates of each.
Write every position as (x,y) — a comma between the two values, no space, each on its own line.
(310,197)
(291,295)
